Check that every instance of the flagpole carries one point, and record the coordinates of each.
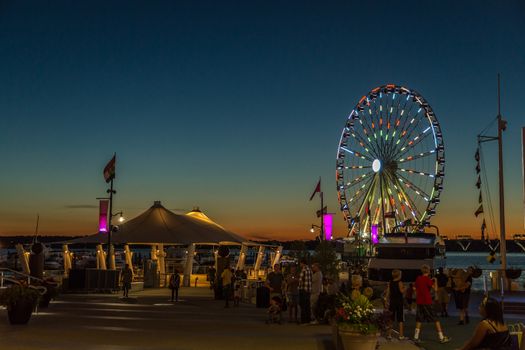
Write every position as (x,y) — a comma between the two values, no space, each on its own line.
(109,223)
(110,226)
(322,216)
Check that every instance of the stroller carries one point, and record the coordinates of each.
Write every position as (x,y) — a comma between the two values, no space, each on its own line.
(275,311)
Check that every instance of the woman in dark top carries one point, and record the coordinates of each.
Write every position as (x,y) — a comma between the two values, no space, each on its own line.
(491,333)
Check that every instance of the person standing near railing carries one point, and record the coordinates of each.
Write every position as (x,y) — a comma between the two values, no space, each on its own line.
(174,285)
(126,278)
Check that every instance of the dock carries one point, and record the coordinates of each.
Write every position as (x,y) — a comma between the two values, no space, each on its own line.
(197,321)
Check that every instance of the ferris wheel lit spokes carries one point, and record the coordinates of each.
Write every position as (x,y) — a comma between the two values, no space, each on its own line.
(390,160)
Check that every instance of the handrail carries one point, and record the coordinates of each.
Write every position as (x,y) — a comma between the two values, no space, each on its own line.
(17,273)
(41,289)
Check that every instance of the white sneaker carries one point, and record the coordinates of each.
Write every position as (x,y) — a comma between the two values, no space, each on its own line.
(444,340)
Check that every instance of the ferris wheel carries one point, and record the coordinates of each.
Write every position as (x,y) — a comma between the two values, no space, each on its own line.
(390,161)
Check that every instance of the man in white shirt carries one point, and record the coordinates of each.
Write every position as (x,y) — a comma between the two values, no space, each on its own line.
(317,287)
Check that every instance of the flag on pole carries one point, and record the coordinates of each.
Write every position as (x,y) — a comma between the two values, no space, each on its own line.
(479,211)
(317,189)
(325,210)
(480,199)
(483,227)
(478,183)
(109,170)
(478,168)
(476,156)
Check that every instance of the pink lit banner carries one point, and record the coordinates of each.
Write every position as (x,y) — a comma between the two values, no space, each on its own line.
(373,234)
(327,220)
(103,215)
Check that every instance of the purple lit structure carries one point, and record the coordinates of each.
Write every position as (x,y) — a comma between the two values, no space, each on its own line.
(373,234)
(327,218)
(103,216)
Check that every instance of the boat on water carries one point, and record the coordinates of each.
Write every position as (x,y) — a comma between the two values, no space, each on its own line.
(406,252)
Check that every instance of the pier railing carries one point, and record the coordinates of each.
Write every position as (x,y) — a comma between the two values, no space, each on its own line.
(13,276)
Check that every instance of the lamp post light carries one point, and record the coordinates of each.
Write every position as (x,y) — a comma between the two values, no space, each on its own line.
(312,230)
(121,218)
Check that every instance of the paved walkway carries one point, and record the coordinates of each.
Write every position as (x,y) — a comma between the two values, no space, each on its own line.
(97,321)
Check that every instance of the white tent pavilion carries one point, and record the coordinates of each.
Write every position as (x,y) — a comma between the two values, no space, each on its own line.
(159,226)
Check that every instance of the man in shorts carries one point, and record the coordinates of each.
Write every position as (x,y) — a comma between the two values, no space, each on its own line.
(424,310)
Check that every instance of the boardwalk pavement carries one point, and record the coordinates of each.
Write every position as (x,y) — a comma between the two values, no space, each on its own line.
(150,321)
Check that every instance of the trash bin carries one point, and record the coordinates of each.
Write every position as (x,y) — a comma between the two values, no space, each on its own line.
(262,297)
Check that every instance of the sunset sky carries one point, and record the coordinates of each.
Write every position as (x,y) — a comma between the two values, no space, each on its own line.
(237,107)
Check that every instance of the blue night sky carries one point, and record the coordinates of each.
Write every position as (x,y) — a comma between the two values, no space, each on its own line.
(237,107)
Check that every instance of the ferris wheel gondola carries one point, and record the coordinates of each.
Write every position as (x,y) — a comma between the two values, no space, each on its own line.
(390,161)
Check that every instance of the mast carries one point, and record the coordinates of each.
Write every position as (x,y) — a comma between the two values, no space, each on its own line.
(35,238)
(503,243)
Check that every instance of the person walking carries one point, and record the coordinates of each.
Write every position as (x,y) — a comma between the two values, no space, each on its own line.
(305,288)
(442,292)
(126,279)
(470,271)
(174,285)
(317,288)
(424,310)
(462,283)
(394,296)
(227,277)
(211,277)
(292,293)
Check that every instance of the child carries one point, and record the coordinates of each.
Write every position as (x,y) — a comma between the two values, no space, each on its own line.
(424,311)
(237,294)
(394,297)
(274,311)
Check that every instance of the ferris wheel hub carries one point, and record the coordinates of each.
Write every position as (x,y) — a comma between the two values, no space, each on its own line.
(376,165)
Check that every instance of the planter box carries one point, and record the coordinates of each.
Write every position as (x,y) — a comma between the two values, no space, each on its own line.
(352,340)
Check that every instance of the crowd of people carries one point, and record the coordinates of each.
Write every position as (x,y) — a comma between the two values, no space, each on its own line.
(302,291)
(434,293)
(306,295)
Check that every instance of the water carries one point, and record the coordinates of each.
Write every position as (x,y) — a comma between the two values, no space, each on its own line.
(463,260)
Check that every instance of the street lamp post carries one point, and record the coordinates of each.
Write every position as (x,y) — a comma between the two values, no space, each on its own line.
(111,191)
(110,225)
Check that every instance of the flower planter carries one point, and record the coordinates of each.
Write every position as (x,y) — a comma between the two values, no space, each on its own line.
(348,339)
(20,312)
(335,337)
